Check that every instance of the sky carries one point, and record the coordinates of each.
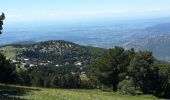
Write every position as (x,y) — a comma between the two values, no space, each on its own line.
(40,10)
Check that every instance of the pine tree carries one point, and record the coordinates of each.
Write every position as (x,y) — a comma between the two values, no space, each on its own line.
(2,17)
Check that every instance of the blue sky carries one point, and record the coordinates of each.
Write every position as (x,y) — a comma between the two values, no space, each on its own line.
(38,10)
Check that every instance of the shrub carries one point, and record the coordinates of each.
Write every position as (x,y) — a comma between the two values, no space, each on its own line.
(126,87)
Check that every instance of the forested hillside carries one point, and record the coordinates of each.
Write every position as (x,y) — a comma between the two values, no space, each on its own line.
(47,63)
(62,64)
(57,53)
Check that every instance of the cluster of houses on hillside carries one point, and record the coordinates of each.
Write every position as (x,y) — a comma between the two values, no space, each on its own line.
(30,63)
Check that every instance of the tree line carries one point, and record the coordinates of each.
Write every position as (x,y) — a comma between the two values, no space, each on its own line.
(129,72)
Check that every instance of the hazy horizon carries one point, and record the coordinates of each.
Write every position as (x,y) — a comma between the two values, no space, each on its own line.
(82,10)
(101,23)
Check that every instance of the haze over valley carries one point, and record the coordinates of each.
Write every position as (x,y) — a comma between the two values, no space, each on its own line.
(91,33)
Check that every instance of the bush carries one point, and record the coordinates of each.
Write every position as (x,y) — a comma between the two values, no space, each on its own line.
(126,87)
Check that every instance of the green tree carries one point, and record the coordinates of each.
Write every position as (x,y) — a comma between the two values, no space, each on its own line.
(23,77)
(163,81)
(2,17)
(142,71)
(7,70)
(37,79)
(113,63)
(55,82)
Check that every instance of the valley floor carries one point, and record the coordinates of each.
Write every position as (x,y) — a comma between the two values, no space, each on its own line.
(12,92)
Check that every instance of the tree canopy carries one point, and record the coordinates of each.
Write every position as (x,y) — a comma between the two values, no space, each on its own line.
(2,17)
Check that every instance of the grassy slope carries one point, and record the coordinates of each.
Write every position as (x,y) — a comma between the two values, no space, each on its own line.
(10,51)
(66,94)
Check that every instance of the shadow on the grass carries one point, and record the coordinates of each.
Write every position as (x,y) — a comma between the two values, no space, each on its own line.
(14,93)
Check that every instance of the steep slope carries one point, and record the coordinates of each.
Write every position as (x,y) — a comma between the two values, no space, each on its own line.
(159,45)
(163,28)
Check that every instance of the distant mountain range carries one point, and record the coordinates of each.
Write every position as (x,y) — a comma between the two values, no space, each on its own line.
(159,45)
(105,35)
(153,36)
(155,39)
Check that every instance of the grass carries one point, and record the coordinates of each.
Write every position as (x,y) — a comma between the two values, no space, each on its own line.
(10,51)
(32,93)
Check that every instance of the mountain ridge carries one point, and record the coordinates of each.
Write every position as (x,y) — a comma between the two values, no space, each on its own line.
(53,52)
(159,45)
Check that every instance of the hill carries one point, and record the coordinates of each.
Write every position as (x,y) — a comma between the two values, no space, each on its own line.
(159,45)
(58,53)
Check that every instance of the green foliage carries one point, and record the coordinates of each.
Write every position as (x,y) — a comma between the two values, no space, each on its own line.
(127,71)
(37,81)
(7,70)
(59,59)
(23,77)
(142,71)
(55,76)
(113,63)
(122,70)
(60,52)
(126,87)
(163,84)
(2,17)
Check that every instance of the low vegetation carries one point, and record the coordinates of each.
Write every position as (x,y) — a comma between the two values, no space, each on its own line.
(12,92)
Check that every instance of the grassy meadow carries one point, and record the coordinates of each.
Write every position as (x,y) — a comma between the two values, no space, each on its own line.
(10,51)
(12,92)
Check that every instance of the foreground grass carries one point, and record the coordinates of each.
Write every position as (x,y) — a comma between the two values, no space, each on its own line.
(32,93)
